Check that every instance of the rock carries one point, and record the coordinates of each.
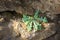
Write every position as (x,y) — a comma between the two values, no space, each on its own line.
(45,33)
(18,33)
(4,31)
(29,7)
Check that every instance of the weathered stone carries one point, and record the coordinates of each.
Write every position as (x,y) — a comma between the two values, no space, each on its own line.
(29,6)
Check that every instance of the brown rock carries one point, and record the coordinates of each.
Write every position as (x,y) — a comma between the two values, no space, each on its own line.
(29,6)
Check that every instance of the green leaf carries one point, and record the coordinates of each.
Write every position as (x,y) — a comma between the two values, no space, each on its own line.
(45,20)
(25,18)
(41,19)
(29,26)
(27,22)
(35,26)
(36,14)
(40,27)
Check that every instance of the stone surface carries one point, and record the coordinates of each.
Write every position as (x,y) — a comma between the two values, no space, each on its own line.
(11,32)
(10,29)
(29,6)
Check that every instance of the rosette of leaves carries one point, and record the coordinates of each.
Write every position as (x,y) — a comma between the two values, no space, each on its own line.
(34,22)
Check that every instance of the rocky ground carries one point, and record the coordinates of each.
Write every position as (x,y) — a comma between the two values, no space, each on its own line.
(10,29)
(11,12)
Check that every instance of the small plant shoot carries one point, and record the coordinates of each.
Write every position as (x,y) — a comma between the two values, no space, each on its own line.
(35,22)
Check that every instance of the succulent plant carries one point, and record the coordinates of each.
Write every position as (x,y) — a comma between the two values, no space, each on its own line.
(34,22)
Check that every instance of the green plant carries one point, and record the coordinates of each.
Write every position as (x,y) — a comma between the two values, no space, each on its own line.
(34,22)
